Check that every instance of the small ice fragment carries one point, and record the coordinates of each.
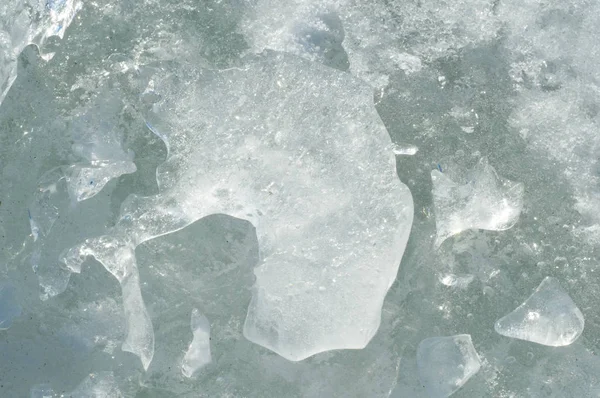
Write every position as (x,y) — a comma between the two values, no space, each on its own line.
(445,364)
(405,149)
(85,181)
(42,391)
(452,280)
(487,201)
(97,385)
(548,317)
(198,354)
(9,307)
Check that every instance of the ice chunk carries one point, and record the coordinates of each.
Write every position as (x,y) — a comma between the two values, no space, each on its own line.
(486,201)
(9,307)
(27,22)
(198,353)
(318,182)
(549,317)
(445,364)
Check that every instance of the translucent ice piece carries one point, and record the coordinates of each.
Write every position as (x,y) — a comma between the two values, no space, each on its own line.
(486,201)
(86,181)
(445,364)
(198,353)
(297,149)
(549,317)
(9,307)
(97,139)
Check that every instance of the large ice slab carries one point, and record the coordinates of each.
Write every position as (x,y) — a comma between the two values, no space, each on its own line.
(297,149)
(485,201)
(549,317)
(445,364)
(198,353)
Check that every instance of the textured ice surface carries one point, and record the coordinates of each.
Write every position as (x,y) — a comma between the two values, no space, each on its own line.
(482,201)
(98,141)
(446,363)
(198,353)
(298,150)
(9,307)
(96,385)
(27,22)
(549,317)
(512,81)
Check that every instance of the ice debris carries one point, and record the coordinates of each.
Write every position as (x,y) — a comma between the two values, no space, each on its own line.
(27,22)
(96,385)
(445,364)
(299,150)
(9,307)
(549,317)
(198,353)
(486,201)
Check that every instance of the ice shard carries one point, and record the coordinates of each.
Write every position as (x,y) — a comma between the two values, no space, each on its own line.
(484,201)
(445,364)
(549,317)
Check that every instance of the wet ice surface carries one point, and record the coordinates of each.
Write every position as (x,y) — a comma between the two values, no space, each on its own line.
(549,317)
(127,92)
(446,363)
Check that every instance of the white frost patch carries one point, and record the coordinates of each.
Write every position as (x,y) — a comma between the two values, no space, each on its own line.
(198,354)
(549,317)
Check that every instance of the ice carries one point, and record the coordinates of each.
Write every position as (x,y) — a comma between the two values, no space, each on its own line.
(57,222)
(198,353)
(9,307)
(484,201)
(549,317)
(42,391)
(96,385)
(97,139)
(318,183)
(445,364)
(27,22)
